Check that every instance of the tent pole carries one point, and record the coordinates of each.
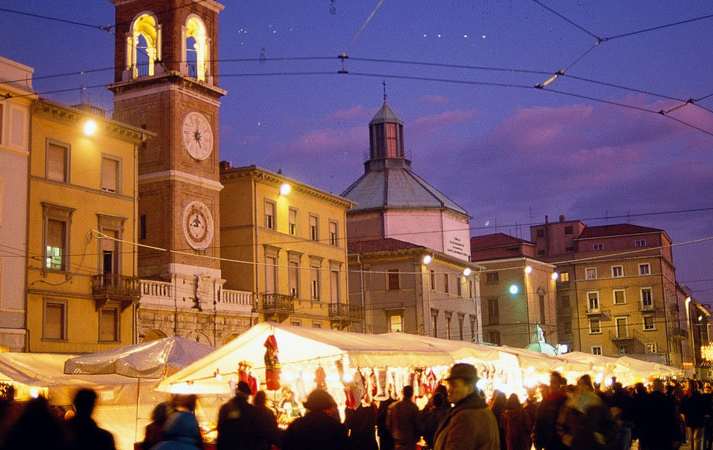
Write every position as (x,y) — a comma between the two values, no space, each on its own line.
(136,416)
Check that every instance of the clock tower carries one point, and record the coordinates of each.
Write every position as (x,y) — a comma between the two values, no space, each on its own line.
(166,82)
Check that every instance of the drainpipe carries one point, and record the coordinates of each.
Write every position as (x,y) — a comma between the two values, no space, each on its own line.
(27,234)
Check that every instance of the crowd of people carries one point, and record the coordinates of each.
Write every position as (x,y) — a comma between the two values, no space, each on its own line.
(558,416)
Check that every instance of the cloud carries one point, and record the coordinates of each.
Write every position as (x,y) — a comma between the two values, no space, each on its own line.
(323,140)
(352,113)
(434,99)
(443,119)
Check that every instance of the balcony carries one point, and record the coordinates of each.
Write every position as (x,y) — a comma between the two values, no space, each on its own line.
(647,307)
(622,336)
(595,312)
(275,306)
(164,295)
(240,302)
(344,314)
(114,287)
(679,333)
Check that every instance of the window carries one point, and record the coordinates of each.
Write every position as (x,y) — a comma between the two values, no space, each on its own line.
(461,321)
(590,273)
(473,329)
(471,291)
(433,280)
(617,271)
(196,54)
(459,286)
(270,275)
(540,232)
(57,163)
(596,350)
(313,228)
(108,325)
(492,278)
(597,246)
(542,308)
(493,311)
(314,272)
(564,302)
(56,245)
(55,320)
(645,269)
(651,347)
(620,325)
(564,277)
(649,323)
(647,299)
(593,301)
(143,232)
(393,279)
(396,323)
(333,239)
(292,227)
(269,215)
(110,175)
(334,286)
(568,229)
(494,337)
(316,324)
(434,321)
(619,296)
(595,326)
(449,318)
(567,326)
(446,288)
(296,323)
(293,276)
(640,243)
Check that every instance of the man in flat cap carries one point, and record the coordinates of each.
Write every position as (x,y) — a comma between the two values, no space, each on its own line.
(470,425)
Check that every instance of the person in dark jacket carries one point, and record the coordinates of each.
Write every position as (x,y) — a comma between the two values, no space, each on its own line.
(434,413)
(402,421)
(517,425)
(498,403)
(659,426)
(469,425)
(181,431)
(585,423)
(267,419)
(36,428)
(241,426)
(694,409)
(154,430)
(361,423)
(386,440)
(545,432)
(319,429)
(84,433)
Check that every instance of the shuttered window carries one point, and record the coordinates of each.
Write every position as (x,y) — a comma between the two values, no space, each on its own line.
(270,272)
(109,325)
(293,275)
(54,326)
(57,162)
(110,175)
(334,286)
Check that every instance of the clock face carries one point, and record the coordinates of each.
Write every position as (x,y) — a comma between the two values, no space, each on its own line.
(197,136)
(198,225)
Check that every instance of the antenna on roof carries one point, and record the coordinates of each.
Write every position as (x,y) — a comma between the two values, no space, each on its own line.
(383,83)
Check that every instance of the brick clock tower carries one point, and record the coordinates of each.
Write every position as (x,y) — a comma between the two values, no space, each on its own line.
(165,81)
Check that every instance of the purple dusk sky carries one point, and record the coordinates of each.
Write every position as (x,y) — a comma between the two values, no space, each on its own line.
(507,155)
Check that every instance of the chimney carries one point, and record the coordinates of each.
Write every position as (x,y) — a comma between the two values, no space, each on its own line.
(561,218)
(224,166)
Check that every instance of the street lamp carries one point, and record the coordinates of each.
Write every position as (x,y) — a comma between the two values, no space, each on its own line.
(554,276)
(467,271)
(285,189)
(427,259)
(90,127)
(514,289)
(528,270)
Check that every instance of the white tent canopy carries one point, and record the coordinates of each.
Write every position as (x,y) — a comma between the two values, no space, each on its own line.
(458,350)
(299,345)
(153,359)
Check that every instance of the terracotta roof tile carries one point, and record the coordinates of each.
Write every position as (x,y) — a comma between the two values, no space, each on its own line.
(616,230)
(380,245)
(486,241)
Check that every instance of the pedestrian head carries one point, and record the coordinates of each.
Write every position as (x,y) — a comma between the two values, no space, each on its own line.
(160,413)
(407,392)
(658,386)
(260,399)
(556,381)
(84,401)
(585,383)
(320,401)
(513,402)
(441,389)
(243,389)
(440,399)
(185,402)
(461,381)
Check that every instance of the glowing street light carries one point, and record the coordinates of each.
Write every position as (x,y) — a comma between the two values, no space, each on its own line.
(528,270)
(555,276)
(427,259)
(90,127)
(467,271)
(285,189)
(514,289)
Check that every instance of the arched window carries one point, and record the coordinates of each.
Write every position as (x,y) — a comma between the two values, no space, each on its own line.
(143,46)
(196,48)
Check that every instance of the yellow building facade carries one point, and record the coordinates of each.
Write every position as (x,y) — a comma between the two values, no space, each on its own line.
(82,199)
(291,240)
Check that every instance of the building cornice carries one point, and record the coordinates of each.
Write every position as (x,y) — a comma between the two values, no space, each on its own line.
(523,259)
(73,116)
(168,81)
(419,252)
(274,179)
(210,4)
(177,175)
